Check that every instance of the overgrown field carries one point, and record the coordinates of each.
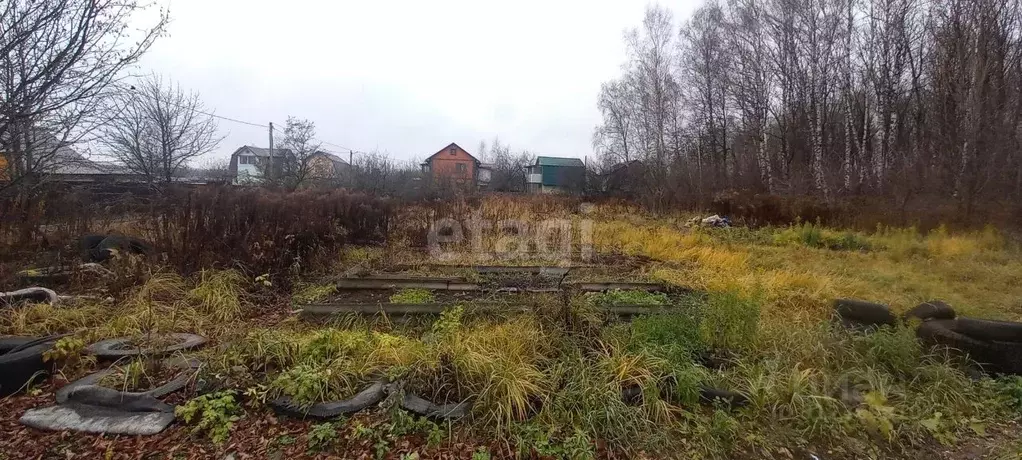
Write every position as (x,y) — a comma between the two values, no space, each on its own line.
(751,314)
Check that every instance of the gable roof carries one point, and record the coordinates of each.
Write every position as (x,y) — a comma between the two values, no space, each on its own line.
(330,156)
(560,161)
(260,152)
(452,144)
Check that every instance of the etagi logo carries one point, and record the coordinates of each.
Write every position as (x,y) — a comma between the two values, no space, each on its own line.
(560,240)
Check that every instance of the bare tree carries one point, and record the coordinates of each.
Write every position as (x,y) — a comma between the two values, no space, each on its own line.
(889,98)
(509,168)
(298,148)
(60,59)
(157,129)
(215,171)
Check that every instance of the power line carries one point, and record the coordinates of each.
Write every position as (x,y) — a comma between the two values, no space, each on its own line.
(321,141)
(257,125)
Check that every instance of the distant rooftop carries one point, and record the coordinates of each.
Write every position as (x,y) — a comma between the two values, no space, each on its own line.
(559,161)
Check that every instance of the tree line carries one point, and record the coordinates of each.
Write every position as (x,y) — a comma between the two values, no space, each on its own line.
(891,98)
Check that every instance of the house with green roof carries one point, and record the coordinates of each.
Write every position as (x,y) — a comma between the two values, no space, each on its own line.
(556,175)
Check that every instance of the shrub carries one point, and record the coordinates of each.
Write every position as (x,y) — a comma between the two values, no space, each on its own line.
(68,353)
(674,337)
(322,436)
(305,384)
(213,413)
(815,236)
(729,321)
(264,231)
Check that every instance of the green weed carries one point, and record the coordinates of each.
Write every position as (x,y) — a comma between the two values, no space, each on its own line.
(312,293)
(322,436)
(219,293)
(413,296)
(627,297)
(213,414)
(729,321)
(815,236)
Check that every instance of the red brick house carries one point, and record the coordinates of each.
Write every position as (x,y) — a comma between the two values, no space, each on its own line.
(452,163)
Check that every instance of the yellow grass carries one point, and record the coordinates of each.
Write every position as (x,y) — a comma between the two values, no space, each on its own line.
(978,273)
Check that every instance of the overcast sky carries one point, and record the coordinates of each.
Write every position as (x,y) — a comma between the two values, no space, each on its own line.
(403,77)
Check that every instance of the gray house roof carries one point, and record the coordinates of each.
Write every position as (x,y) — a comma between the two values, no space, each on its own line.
(559,161)
(259,151)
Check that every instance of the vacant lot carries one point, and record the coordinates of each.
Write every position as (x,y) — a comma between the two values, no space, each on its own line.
(549,368)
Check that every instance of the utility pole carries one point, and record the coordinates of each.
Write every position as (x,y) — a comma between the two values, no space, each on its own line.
(269,166)
(350,154)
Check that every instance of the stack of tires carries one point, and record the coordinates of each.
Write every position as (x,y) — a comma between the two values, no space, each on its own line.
(995,345)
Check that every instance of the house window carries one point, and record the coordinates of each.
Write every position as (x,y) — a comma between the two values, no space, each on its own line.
(454,151)
(461,168)
(246,160)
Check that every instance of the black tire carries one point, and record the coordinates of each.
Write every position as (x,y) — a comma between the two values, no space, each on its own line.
(19,368)
(983,329)
(88,248)
(862,312)
(8,344)
(710,396)
(177,383)
(94,395)
(90,241)
(125,244)
(118,348)
(419,406)
(932,309)
(994,356)
(943,332)
(368,397)
(632,395)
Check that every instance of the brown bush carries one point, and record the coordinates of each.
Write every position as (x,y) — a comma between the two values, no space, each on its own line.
(257,230)
(264,231)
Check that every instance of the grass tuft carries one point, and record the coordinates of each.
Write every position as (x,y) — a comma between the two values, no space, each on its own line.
(219,293)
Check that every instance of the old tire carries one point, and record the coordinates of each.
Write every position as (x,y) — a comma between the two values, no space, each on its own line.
(88,246)
(368,397)
(28,295)
(983,329)
(932,309)
(10,343)
(119,348)
(865,313)
(20,367)
(177,383)
(125,244)
(94,395)
(994,356)
(710,396)
(419,406)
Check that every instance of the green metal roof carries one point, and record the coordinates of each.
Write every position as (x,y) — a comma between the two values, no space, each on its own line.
(559,161)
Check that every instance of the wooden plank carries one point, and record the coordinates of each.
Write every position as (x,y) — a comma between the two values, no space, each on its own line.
(408,309)
(597,287)
(394,283)
(476,307)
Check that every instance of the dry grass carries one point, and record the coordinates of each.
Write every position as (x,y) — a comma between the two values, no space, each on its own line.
(553,387)
(977,272)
